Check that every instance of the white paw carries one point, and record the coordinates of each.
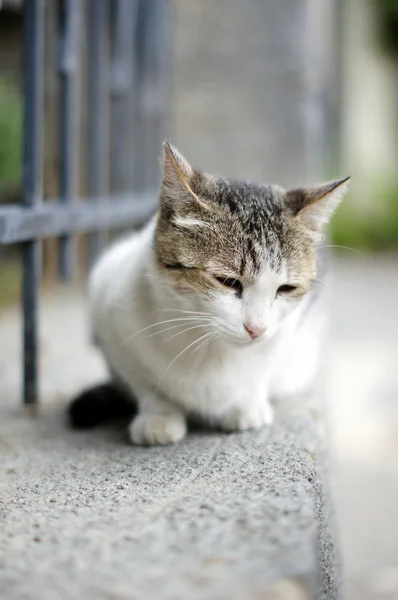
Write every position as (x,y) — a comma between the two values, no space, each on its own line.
(157,429)
(247,417)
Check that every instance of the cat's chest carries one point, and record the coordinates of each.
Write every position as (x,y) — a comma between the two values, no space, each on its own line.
(215,381)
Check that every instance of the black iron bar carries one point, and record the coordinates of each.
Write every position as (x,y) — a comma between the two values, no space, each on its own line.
(98,112)
(68,70)
(32,187)
(121,88)
(52,218)
(140,76)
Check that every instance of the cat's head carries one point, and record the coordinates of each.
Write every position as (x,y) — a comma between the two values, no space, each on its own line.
(244,255)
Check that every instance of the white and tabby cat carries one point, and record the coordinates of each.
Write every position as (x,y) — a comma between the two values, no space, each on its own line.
(213,309)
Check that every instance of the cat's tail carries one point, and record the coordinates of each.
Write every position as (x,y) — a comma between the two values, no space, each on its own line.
(99,404)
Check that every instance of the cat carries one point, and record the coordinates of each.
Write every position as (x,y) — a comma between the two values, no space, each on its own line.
(213,309)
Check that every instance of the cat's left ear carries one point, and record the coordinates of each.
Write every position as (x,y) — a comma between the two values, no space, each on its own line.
(179,181)
(314,206)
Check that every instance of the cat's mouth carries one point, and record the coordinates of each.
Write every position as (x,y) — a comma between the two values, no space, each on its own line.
(247,342)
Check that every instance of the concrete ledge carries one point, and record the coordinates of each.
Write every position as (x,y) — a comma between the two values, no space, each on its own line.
(220,517)
(85,515)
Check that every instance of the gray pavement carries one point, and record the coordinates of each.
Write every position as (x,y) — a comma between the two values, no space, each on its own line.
(217,516)
(364,422)
(85,515)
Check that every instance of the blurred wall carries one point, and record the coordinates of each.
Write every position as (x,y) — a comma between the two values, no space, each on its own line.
(287,91)
(252,78)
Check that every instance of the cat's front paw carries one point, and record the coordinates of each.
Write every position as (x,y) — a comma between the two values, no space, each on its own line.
(150,430)
(247,417)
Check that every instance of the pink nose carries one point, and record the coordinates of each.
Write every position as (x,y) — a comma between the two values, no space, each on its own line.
(255,331)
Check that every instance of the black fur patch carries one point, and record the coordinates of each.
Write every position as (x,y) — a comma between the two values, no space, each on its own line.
(99,404)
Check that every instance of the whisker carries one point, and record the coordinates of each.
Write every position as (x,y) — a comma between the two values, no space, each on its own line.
(178,356)
(203,344)
(342,247)
(162,331)
(154,325)
(188,329)
(323,283)
(189,312)
(171,328)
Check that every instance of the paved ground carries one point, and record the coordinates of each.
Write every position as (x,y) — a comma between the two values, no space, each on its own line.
(364,410)
(94,471)
(215,517)
(86,515)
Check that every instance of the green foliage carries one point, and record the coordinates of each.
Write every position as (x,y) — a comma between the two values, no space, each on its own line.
(387,17)
(10,135)
(374,230)
(10,282)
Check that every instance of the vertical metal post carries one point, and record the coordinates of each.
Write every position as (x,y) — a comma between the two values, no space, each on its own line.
(122,84)
(152,27)
(158,36)
(68,66)
(148,84)
(139,153)
(32,185)
(98,175)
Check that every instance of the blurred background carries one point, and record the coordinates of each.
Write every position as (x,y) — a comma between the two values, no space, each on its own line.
(289,92)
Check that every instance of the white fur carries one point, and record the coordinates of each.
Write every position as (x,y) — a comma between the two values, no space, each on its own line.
(171,369)
(188,222)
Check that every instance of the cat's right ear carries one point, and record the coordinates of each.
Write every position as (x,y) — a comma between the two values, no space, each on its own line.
(178,187)
(313,206)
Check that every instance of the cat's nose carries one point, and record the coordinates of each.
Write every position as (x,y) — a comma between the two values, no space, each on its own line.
(255,331)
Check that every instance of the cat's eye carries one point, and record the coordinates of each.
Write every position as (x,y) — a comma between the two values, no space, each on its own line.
(230,282)
(286,289)
(174,266)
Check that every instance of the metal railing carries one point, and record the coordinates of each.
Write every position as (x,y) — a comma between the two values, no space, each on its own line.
(127,59)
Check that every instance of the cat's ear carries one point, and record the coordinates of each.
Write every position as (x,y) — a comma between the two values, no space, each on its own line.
(179,180)
(314,206)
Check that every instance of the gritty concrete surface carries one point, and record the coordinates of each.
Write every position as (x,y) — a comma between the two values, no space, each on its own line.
(85,515)
(217,516)
(364,422)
